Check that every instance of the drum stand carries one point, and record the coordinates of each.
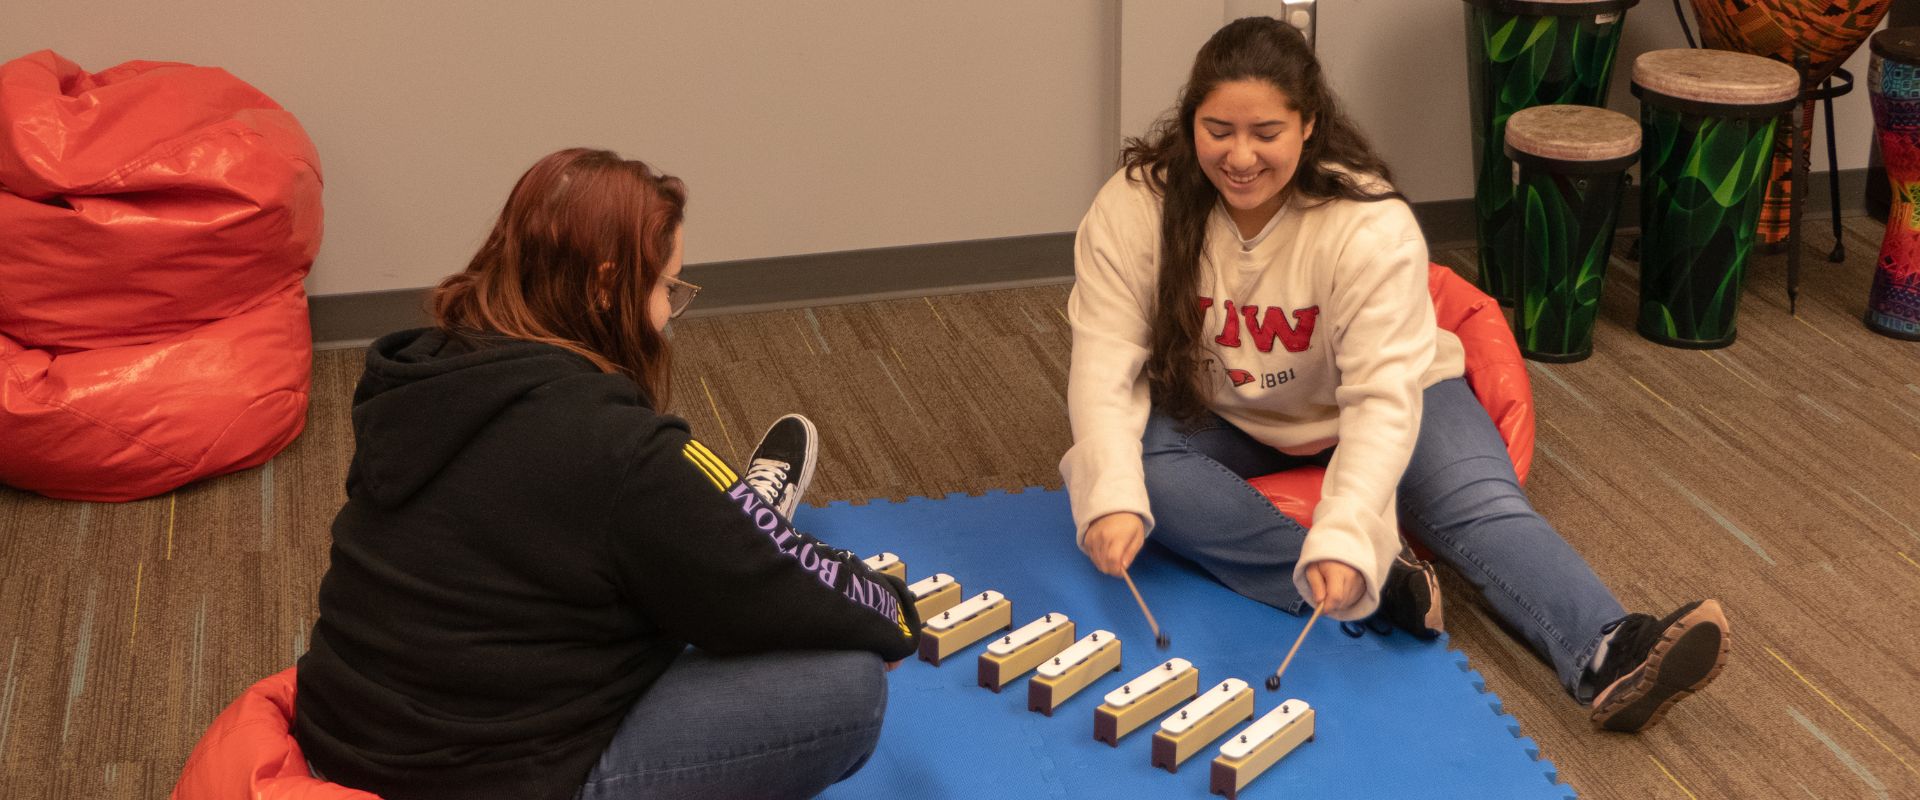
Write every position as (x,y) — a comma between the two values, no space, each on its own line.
(1798,176)
(1825,94)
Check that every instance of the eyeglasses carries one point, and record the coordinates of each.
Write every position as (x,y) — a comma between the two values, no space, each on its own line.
(680,294)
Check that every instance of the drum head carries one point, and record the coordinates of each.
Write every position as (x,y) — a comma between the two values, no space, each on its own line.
(1573,133)
(1555,8)
(1716,77)
(1897,44)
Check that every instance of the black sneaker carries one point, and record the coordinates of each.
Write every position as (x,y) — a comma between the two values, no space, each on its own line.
(782,465)
(1652,664)
(1410,599)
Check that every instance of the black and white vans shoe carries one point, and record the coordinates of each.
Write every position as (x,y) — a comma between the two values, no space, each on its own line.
(782,464)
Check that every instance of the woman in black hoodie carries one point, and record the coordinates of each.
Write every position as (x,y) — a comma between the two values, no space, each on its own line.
(541,585)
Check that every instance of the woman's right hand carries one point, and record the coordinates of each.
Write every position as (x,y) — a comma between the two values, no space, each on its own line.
(1113,540)
(1335,586)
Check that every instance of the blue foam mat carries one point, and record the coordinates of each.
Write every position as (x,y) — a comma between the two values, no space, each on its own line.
(1396,717)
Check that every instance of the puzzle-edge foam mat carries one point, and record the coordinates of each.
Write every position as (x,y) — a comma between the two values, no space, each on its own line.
(1396,717)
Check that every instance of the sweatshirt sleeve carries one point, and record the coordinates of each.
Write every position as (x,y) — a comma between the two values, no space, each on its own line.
(712,564)
(1383,343)
(1107,393)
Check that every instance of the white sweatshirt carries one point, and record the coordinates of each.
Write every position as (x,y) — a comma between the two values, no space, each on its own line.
(1318,331)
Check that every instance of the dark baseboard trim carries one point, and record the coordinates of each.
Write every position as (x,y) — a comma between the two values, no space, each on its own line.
(769,284)
(858,276)
(353,320)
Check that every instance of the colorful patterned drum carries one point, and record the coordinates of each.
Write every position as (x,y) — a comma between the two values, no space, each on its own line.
(1708,120)
(1826,31)
(1569,164)
(1524,53)
(1893,84)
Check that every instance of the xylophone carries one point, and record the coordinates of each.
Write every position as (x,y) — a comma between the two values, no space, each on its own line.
(1024,649)
(1062,667)
(963,625)
(1138,701)
(1258,747)
(1202,722)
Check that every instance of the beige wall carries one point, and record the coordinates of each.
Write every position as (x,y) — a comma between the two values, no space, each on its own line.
(801,128)
(1400,69)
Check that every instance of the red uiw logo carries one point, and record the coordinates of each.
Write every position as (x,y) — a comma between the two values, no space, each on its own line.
(1264,329)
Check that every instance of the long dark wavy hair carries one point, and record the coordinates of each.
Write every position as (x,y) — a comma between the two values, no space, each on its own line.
(1335,162)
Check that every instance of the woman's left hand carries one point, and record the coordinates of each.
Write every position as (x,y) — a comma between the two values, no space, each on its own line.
(1335,586)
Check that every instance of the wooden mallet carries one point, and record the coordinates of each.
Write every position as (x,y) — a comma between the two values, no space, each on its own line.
(1160,640)
(1273,681)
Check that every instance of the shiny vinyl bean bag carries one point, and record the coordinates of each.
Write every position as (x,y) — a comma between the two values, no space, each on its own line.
(249,753)
(156,223)
(1495,370)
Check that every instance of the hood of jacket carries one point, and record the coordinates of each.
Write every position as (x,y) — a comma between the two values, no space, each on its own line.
(425,393)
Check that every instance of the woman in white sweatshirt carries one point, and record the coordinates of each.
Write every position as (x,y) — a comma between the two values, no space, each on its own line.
(1251,296)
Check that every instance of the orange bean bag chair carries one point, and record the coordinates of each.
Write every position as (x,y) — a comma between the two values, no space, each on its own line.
(1495,370)
(156,223)
(248,753)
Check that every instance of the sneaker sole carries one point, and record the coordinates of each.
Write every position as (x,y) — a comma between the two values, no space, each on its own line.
(1689,655)
(1436,620)
(800,485)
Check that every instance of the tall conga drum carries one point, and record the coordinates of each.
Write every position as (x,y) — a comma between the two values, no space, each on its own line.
(1523,53)
(1569,165)
(1893,85)
(1826,31)
(1708,121)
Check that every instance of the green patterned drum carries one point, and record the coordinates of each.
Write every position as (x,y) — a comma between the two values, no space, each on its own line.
(1569,164)
(1522,54)
(1708,120)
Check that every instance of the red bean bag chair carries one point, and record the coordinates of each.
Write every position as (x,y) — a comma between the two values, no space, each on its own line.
(248,753)
(156,223)
(1495,370)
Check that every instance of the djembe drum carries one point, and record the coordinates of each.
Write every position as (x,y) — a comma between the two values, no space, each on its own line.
(1708,120)
(1825,31)
(1523,53)
(1570,163)
(1893,84)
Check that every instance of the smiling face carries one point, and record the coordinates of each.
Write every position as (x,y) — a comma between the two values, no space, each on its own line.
(1248,136)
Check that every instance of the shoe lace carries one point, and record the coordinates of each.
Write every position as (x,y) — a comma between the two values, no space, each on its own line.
(1359,628)
(1633,635)
(767,477)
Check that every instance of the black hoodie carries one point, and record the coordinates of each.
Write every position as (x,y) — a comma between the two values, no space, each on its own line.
(525,547)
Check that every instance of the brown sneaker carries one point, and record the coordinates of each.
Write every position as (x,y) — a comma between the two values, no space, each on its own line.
(1410,598)
(1652,664)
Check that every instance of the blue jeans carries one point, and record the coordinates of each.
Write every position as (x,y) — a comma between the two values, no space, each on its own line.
(1459,497)
(786,724)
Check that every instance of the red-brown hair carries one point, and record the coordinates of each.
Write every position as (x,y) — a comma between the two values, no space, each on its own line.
(538,276)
